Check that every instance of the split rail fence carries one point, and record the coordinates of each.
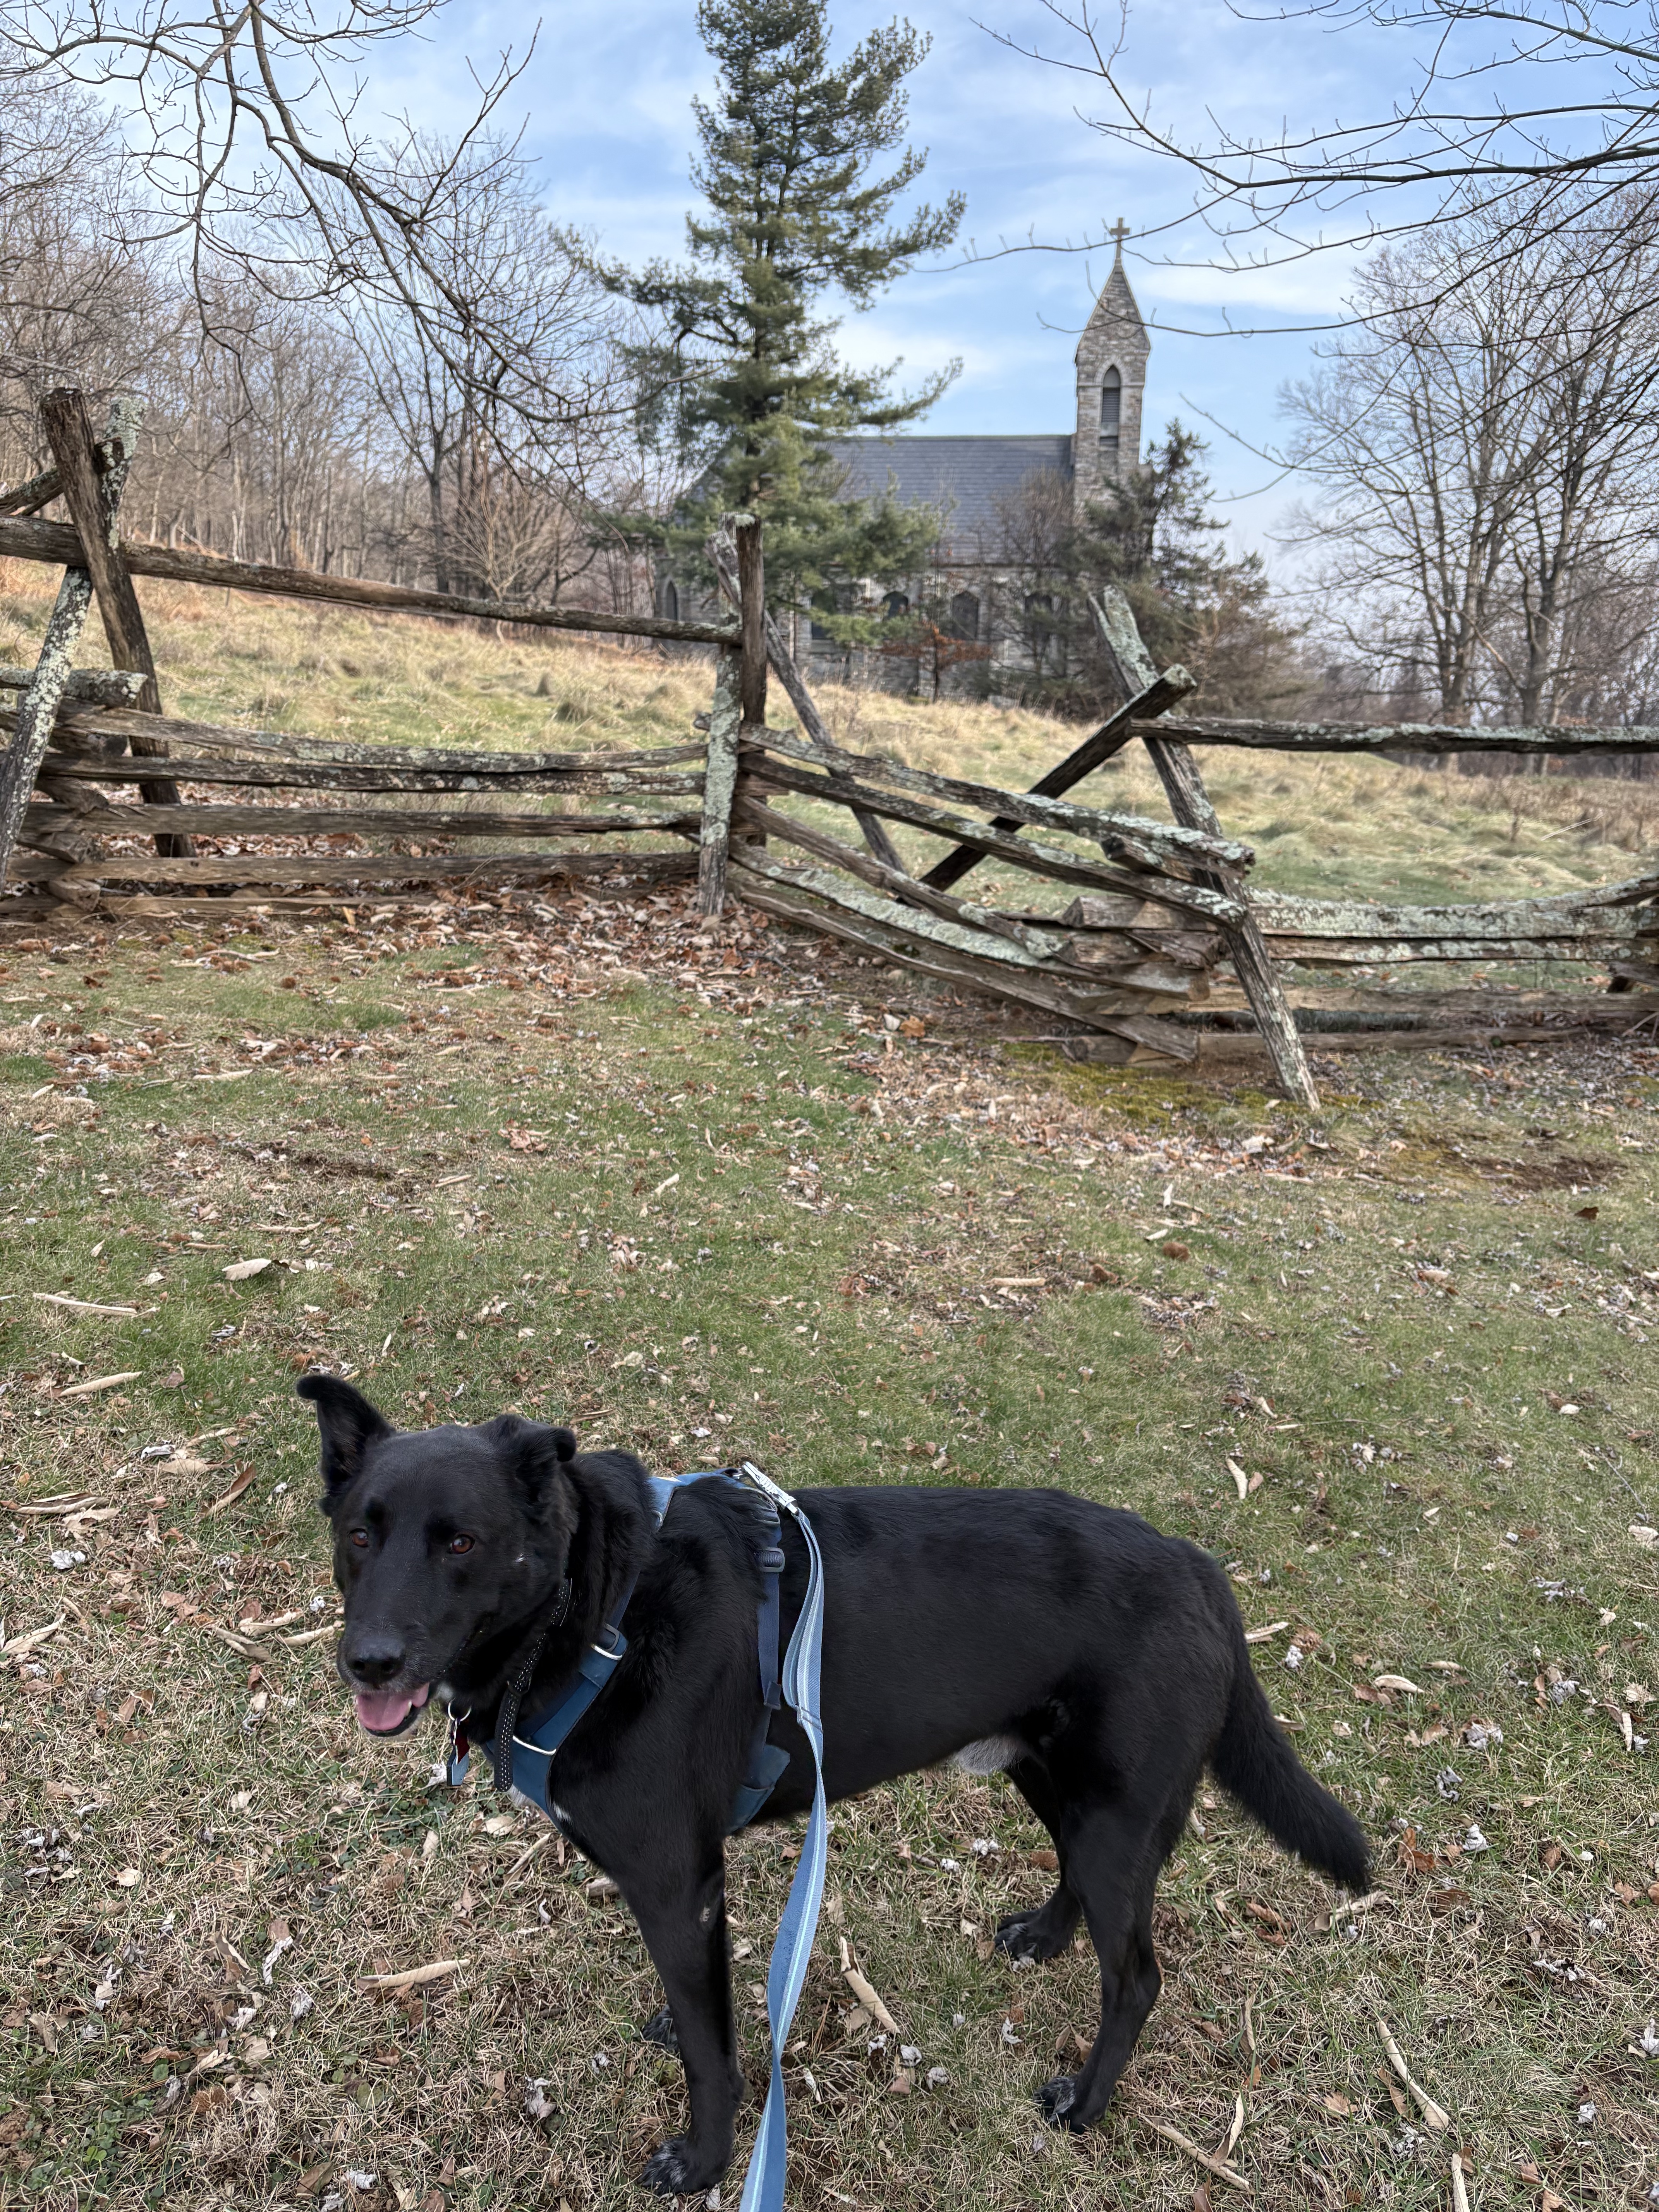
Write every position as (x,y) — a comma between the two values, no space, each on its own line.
(1157,907)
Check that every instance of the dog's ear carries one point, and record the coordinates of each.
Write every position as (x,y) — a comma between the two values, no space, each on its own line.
(348,1425)
(536,1453)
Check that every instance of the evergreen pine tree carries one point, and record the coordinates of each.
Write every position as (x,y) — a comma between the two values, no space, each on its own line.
(1154,537)
(800,212)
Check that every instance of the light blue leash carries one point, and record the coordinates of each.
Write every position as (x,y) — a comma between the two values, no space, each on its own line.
(763,2183)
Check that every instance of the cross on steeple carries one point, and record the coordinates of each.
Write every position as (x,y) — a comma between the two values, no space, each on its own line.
(1120,231)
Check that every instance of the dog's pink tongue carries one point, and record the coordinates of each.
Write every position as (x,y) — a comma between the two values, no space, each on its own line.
(379,1714)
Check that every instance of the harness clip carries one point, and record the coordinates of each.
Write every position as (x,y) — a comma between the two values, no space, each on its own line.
(768,1488)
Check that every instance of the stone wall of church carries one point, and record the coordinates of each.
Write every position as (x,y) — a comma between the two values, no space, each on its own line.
(977,632)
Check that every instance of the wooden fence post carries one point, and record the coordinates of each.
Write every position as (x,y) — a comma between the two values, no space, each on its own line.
(751,611)
(94,501)
(37,710)
(720,784)
(1189,802)
(787,671)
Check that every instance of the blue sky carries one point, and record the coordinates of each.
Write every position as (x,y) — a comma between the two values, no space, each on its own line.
(608,98)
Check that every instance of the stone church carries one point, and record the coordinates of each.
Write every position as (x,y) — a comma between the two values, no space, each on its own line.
(1005,503)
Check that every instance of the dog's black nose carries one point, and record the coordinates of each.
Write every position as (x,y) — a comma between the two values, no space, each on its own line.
(375,1658)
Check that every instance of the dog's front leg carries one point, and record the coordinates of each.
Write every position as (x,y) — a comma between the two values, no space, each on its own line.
(682,1916)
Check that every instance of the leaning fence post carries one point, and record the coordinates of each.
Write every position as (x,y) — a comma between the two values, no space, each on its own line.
(37,709)
(93,504)
(720,784)
(1189,802)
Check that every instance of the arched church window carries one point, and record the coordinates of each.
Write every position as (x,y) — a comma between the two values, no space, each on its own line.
(964,616)
(671,601)
(894,604)
(1111,405)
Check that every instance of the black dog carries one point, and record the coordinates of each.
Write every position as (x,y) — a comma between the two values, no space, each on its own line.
(1100,1663)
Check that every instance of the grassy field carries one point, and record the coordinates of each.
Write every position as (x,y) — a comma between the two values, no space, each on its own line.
(579,1160)
(1335,826)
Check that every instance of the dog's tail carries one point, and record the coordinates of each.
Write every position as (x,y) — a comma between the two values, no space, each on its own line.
(1254,1760)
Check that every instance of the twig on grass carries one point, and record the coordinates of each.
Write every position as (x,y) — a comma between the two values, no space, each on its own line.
(1434,2116)
(100,1383)
(412,1977)
(1215,2165)
(525,1858)
(243,1645)
(865,1993)
(1348,1907)
(84,1305)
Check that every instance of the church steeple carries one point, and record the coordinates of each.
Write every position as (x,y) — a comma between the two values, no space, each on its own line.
(1111,378)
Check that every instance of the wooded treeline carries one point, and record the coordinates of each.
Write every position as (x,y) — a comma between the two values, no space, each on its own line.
(1480,543)
(325,434)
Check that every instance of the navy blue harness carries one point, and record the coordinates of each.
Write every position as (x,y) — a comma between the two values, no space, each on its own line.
(764,2182)
(530,1767)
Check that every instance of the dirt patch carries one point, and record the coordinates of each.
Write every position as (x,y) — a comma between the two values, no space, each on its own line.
(1561,1171)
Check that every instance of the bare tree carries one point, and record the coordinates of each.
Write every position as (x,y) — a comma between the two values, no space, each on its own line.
(1486,470)
(1534,104)
(503,472)
(73,306)
(246,132)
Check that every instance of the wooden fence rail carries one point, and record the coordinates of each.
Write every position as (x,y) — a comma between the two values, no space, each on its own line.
(60,546)
(1562,737)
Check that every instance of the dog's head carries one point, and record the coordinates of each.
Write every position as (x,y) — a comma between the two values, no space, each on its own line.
(442,1537)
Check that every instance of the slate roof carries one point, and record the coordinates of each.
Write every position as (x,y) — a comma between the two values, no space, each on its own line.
(962,477)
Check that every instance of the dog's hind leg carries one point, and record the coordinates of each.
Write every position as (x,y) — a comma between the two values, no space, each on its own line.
(1112,1861)
(682,1916)
(1044,1932)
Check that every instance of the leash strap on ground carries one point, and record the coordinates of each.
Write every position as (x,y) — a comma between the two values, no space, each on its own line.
(768,2163)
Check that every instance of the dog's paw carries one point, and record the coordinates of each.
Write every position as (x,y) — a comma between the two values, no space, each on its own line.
(1028,1936)
(675,2169)
(1057,2100)
(660,2030)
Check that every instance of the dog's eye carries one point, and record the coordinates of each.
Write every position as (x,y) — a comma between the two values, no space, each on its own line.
(360,1538)
(460,1543)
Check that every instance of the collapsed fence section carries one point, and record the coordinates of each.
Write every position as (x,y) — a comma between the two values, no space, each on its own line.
(1174,890)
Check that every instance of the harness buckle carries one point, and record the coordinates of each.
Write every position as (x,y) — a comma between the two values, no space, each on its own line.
(768,1488)
(618,1644)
